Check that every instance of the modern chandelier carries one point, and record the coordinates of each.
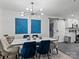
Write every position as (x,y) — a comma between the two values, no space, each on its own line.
(31,11)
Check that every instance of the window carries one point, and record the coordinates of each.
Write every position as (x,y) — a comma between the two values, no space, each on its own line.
(35,26)
(21,26)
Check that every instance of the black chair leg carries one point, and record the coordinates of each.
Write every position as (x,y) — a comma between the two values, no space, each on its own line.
(39,56)
(3,57)
(22,58)
(7,56)
(50,51)
(33,57)
(48,55)
(57,50)
(36,55)
(16,56)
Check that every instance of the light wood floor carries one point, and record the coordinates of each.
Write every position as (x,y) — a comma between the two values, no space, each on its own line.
(61,55)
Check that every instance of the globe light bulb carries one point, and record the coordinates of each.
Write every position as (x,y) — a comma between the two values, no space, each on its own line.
(27,9)
(42,13)
(41,9)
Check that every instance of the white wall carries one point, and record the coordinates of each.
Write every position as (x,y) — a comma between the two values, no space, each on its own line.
(8,23)
(0,22)
(61,28)
(8,20)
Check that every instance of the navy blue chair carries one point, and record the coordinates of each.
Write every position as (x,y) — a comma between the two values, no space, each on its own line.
(34,36)
(26,36)
(28,50)
(44,48)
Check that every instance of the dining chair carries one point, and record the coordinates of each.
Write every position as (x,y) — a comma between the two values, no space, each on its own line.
(6,50)
(54,45)
(27,37)
(44,48)
(34,36)
(28,50)
(9,38)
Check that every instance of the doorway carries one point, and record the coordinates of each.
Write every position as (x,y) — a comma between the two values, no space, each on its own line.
(51,29)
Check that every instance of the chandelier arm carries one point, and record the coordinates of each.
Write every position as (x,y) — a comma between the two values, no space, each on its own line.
(32,3)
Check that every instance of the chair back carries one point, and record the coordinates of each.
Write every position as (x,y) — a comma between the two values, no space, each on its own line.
(34,36)
(44,47)
(26,36)
(28,49)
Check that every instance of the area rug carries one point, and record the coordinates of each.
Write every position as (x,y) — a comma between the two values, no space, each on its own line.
(71,49)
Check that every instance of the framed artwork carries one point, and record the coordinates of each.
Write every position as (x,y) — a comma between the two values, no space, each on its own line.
(35,26)
(21,26)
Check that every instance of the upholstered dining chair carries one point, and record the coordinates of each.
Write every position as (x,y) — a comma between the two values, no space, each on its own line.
(54,45)
(27,37)
(34,36)
(6,50)
(44,48)
(28,50)
(9,38)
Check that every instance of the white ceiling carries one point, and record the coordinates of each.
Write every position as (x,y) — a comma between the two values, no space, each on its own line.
(51,7)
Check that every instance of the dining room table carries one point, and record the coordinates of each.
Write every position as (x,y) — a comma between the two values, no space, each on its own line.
(17,42)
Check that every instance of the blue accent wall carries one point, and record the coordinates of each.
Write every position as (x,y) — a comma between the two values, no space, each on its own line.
(21,26)
(35,26)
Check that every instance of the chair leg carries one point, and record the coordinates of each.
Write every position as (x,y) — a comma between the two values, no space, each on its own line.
(50,51)
(57,50)
(48,55)
(16,56)
(33,57)
(39,56)
(7,56)
(3,57)
(36,55)
(22,58)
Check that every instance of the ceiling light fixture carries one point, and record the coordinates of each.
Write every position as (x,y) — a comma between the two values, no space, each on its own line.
(31,11)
